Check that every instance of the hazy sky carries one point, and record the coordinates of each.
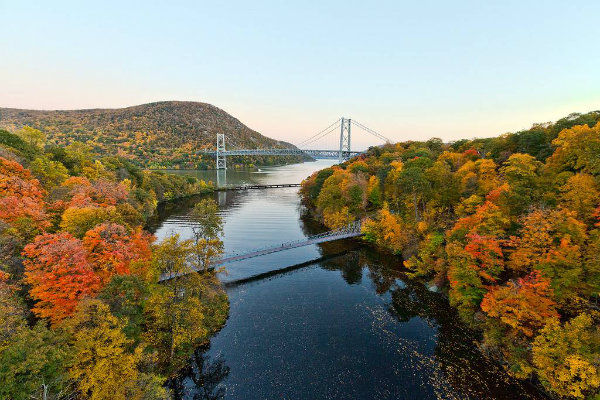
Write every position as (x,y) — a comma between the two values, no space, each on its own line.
(410,70)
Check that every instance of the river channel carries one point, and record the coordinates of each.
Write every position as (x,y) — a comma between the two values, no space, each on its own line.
(337,320)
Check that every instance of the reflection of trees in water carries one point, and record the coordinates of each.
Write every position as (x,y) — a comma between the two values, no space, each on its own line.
(456,354)
(201,379)
(349,266)
(456,359)
(183,206)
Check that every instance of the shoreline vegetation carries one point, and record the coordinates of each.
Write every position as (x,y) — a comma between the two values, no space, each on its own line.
(83,314)
(507,227)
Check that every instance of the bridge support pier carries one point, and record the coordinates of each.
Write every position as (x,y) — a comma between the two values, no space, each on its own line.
(345,130)
(221,160)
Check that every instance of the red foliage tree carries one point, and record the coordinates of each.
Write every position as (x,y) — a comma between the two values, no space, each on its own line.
(486,255)
(57,268)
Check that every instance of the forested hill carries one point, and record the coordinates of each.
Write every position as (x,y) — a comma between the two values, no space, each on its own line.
(156,135)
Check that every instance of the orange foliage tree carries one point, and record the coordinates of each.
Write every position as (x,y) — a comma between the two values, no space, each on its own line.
(552,242)
(524,304)
(21,196)
(57,268)
(113,250)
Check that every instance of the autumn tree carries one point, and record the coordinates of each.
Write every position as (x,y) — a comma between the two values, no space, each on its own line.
(114,250)
(59,273)
(580,194)
(51,173)
(475,256)
(102,365)
(430,258)
(577,149)
(387,231)
(566,357)
(374,194)
(21,198)
(311,187)
(524,304)
(178,310)
(34,365)
(343,189)
(551,242)
(32,136)
(79,220)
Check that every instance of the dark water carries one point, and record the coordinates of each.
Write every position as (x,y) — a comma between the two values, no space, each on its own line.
(347,326)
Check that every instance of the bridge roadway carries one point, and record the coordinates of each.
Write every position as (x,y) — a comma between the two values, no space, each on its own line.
(352,230)
(334,154)
(247,187)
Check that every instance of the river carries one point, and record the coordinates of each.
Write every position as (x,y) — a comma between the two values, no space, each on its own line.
(332,321)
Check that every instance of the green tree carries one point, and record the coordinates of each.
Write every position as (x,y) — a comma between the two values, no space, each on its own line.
(32,136)
(13,312)
(209,222)
(34,365)
(126,296)
(521,172)
(50,173)
(413,181)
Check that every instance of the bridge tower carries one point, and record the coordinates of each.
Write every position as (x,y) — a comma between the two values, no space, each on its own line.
(221,160)
(345,130)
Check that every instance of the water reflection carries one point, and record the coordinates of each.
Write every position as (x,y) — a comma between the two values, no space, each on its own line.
(201,379)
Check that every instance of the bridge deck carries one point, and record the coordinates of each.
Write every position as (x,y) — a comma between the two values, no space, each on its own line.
(247,187)
(334,154)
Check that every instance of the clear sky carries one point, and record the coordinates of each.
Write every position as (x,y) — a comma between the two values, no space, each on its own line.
(408,69)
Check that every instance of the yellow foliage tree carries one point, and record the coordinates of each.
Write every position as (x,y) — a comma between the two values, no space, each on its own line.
(566,357)
(182,312)
(79,220)
(386,231)
(580,194)
(337,219)
(102,366)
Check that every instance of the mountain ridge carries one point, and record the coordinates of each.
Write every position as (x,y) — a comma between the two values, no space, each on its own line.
(163,134)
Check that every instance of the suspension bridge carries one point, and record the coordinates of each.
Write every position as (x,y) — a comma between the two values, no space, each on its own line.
(344,152)
(352,230)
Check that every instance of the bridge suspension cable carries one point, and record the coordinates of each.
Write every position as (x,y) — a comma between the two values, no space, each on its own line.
(344,151)
(371,131)
(321,134)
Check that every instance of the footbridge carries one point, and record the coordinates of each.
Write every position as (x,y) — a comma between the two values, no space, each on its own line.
(344,152)
(351,230)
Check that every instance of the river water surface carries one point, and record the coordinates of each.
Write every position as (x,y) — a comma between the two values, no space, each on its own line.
(331,321)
